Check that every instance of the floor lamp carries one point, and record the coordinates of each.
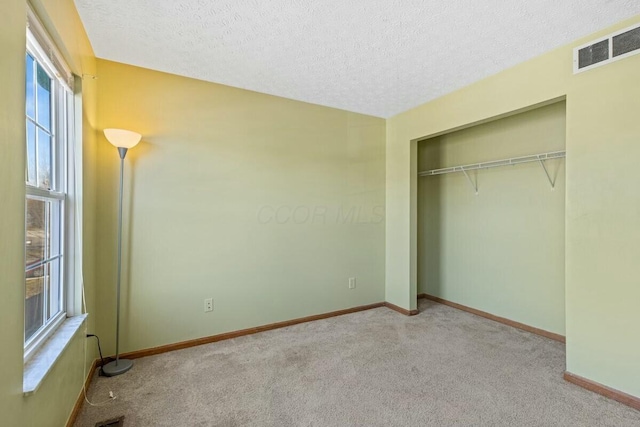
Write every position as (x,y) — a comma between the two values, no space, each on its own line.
(122,140)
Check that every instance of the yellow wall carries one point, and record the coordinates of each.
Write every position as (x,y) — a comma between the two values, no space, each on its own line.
(602,232)
(201,192)
(52,403)
(12,154)
(501,251)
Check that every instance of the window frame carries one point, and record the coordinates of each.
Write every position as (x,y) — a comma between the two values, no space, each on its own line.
(61,192)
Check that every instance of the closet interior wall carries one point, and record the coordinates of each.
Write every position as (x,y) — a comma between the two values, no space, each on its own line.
(502,250)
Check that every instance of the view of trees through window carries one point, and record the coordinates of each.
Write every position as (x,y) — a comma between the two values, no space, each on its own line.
(43,239)
(39,125)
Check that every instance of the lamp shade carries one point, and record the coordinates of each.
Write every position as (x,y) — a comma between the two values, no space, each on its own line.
(122,138)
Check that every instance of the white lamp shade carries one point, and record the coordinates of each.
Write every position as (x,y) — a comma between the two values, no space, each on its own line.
(122,138)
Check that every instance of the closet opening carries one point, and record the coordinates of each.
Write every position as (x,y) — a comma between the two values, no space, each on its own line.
(491,217)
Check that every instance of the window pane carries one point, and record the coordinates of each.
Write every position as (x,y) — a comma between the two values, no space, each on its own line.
(31,98)
(43,263)
(37,236)
(44,160)
(31,154)
(43,96)
(36,281)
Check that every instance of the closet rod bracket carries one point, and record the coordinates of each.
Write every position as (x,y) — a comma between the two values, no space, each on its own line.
(474,186)
(546,171)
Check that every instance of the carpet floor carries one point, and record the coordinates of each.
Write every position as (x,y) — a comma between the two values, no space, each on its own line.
(443,367)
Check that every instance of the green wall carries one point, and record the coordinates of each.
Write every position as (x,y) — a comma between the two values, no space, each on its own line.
(501,251)
(601,218)
(53,401)
(264,204)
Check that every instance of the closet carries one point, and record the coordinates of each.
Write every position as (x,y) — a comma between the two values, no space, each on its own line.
(491,217)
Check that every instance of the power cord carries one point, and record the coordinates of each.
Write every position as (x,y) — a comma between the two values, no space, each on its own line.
(99,351)
(84,389)
(77,160)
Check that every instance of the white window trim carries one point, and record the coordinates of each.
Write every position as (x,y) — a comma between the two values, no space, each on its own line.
(40,364)
(65,153)
(47,47)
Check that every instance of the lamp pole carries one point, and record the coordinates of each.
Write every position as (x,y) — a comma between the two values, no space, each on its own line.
(119,366)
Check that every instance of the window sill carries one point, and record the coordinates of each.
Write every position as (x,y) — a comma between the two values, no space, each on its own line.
(43,360)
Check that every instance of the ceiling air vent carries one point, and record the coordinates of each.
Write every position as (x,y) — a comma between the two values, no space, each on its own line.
(607,49)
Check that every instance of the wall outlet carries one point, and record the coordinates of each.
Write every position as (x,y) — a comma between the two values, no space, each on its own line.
(352,282)
(208,304)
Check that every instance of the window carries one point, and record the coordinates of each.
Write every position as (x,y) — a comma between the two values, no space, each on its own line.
(48,236)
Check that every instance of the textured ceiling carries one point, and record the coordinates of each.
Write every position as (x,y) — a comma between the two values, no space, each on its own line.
(378,57)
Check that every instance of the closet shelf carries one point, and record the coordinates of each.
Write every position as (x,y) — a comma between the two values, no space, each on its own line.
(497,163)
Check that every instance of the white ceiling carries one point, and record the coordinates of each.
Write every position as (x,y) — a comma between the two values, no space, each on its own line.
(378,57)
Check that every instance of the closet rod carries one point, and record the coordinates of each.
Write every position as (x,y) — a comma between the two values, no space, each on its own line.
(496,163)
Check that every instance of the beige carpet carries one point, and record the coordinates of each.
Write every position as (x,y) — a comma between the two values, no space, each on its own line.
(443,367)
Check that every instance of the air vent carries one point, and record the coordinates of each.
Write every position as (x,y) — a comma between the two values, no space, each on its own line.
(607,49)
(626,42)
(593,54)
(116,422)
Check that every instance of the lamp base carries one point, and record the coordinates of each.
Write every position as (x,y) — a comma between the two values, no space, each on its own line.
(117,367)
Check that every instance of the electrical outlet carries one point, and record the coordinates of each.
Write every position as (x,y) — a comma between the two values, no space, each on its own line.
(208,304)
(352,282)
